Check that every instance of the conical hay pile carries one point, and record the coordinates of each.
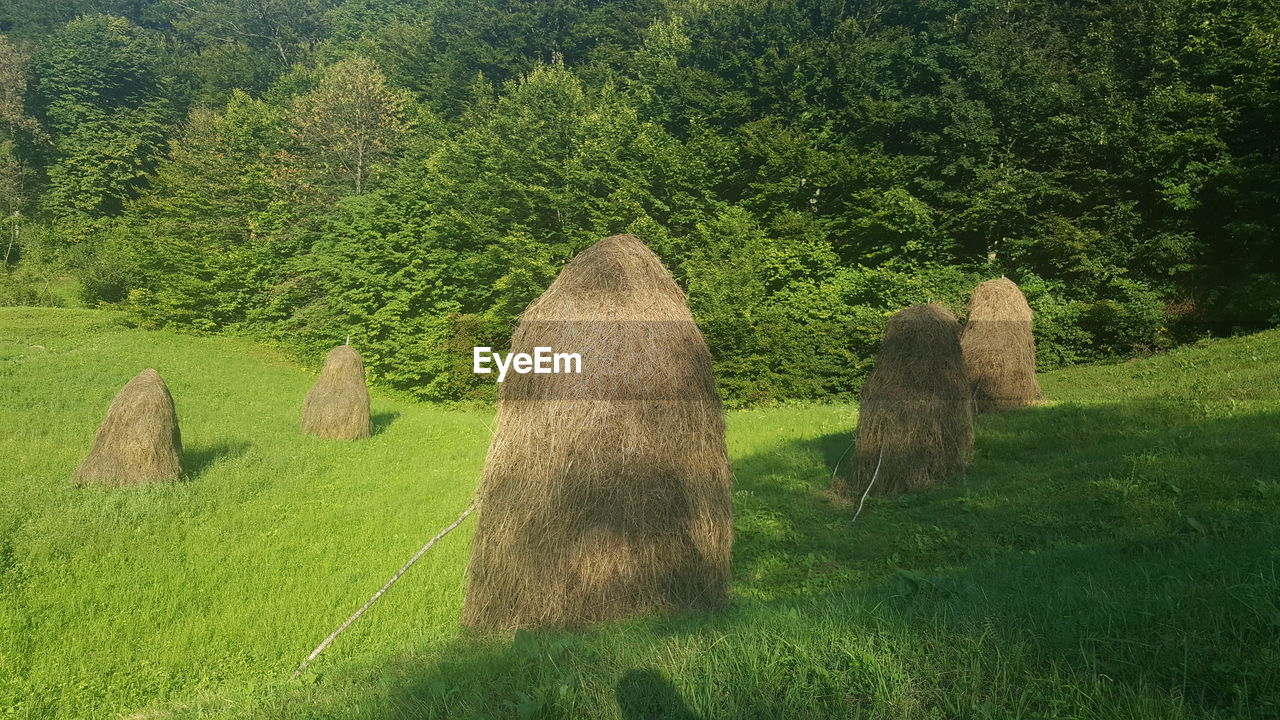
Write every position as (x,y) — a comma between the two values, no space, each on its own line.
(605,493)
(138,441)
(999,349)
(915,416)
(337,406)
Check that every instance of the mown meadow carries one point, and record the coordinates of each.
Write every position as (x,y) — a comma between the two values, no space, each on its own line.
(1110,554)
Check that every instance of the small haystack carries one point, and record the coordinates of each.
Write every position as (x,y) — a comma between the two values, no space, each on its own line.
(605,493)
(138,441)
(999,349)
(337,406)
(915,417)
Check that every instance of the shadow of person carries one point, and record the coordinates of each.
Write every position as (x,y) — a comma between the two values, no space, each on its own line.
(645,694)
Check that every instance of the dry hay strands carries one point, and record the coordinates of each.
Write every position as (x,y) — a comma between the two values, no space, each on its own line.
(139,440)
(915,416)
(999,348)
(606,493)
(337,406)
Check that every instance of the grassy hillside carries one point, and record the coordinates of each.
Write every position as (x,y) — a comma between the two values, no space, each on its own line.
(112,600)
(1112,554)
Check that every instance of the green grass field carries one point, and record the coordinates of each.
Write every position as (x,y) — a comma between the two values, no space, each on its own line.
(1112,554)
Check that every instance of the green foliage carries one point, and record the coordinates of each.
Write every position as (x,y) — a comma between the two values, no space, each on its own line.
(784,319)
(29,286)
(466,230)
(350,123)
(245,44)
(13,89)
(1117,157)
(95,64)
(368,279)
(208,234)
(112,270)
(101,162)
(14,179)
(1125,319)
(439,53)
(100,93)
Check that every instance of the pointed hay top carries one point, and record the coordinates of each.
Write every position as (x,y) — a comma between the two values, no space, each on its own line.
(617,278)
(342,359)
(1000,300)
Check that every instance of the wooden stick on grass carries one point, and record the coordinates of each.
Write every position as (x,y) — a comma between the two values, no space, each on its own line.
(842,457)
(320,648)
(874,475)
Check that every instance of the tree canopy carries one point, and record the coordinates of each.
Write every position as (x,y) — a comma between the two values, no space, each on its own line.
(412,173)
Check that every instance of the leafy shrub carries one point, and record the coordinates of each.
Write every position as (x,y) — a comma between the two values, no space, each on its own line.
(17,292)
(1251,304)
(1127,318)
(111,271)
(776,334)
(35,280)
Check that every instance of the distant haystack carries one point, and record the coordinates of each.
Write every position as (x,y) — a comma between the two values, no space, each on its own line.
(605,493)
(337,406)
(915,418)
(138,441)
(999,349)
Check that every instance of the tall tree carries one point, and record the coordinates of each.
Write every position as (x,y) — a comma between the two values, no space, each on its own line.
(13,90)
(351,122)
(15,125)
(246,44)
(282,29)
(208,229)
(99,88)
(14,196)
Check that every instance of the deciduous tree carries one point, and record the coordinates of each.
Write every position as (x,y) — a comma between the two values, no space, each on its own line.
(351,122)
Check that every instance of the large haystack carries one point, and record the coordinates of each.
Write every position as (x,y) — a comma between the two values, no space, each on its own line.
(337,406)
(915,417)
(605,493)
(138,441)
(999,349)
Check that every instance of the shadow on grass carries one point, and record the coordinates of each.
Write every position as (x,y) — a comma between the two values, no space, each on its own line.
(382,421)
(836,450)
(196,462)
(646,694)
(1099,561)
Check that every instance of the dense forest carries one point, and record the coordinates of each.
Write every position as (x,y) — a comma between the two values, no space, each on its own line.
(411,173)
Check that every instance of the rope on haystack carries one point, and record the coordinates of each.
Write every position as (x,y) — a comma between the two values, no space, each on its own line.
(320,648)
(873,482)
